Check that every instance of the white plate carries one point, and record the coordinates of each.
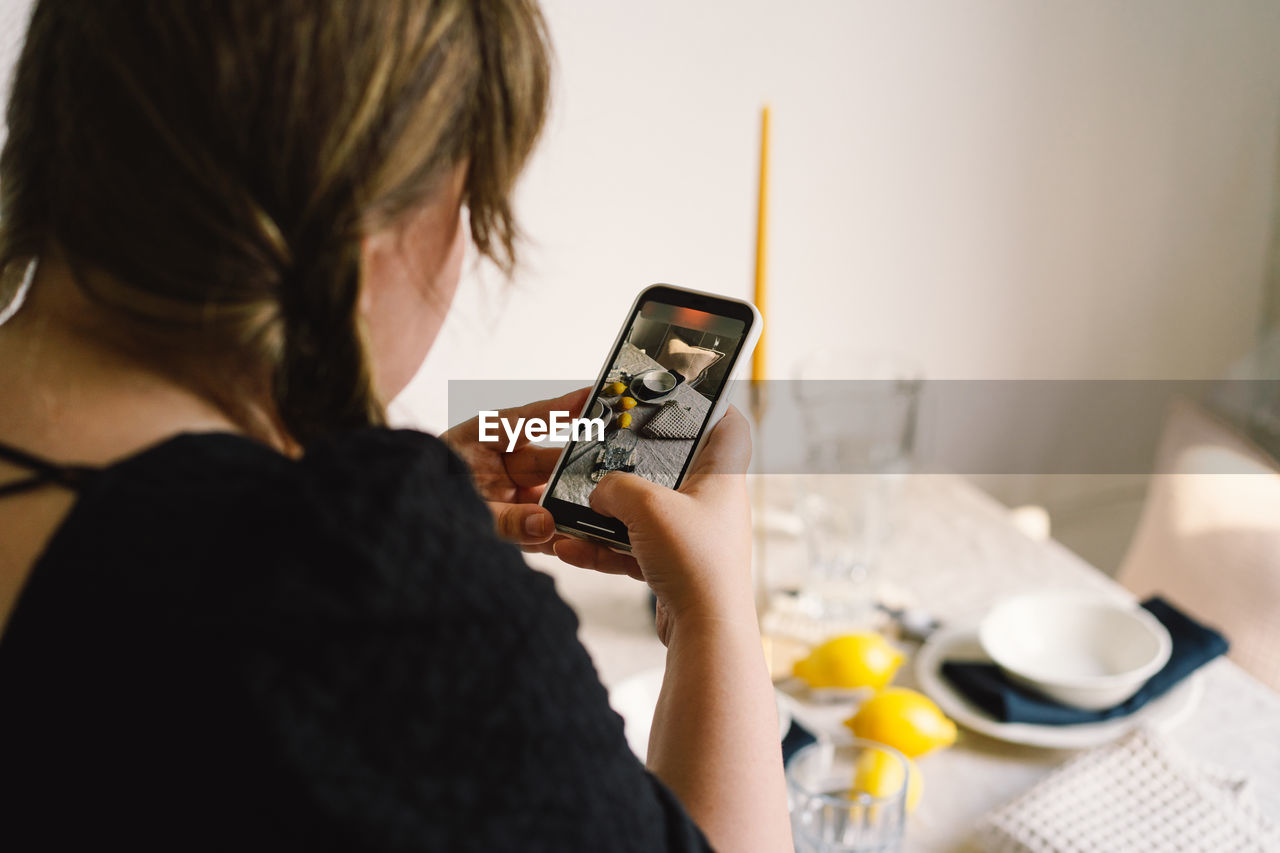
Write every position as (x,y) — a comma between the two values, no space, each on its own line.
(962,644)
(636,697)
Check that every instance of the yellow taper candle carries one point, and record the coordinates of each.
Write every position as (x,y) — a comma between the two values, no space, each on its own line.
(762,234)
(758,403)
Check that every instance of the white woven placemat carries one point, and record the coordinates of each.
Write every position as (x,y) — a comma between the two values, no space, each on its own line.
(1137,794)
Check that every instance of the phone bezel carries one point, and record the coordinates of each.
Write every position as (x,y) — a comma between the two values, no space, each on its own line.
(583,522)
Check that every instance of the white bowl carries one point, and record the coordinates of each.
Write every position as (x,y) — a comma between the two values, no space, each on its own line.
(1085,652)
(659,382)
(600,411)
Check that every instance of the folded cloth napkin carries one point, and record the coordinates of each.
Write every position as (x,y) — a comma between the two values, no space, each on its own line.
(1140,793)
(986,686)
(798,737)
(672,421)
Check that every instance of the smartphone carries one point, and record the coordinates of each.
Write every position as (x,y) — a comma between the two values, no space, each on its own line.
(663,387)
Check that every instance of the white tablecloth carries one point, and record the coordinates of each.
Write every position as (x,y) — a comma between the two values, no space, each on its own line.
(955,548)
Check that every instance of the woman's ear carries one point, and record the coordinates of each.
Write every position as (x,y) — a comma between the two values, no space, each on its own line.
(374,249)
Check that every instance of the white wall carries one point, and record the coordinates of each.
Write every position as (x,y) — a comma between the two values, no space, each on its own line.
(1002,189)
(13,22)
(999,188)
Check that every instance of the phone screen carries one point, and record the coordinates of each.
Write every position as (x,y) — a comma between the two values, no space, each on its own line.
(656,397)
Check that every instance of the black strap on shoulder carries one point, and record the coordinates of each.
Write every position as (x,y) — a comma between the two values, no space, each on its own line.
(20,486)
(43,471)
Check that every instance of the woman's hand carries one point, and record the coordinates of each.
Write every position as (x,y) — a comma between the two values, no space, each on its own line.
(714,739)
(692,546)
(512,482)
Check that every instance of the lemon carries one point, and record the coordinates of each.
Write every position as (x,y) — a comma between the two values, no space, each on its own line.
(624,420)
(905,720)
(879,774)
(613,389)
(626,403)
(850,661)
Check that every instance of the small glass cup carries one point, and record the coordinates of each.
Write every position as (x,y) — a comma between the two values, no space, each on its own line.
(828,815)
(616,453)
(858,414)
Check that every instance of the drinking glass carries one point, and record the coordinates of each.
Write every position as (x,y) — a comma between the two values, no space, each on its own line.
(616,454)
(858,414)
(828,815)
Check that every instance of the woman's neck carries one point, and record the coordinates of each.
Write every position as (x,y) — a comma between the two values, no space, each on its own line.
(68,396)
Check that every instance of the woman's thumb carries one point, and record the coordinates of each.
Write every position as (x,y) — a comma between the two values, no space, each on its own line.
(627,497)
(726,453)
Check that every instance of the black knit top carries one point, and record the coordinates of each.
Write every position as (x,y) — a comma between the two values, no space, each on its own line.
(222,648)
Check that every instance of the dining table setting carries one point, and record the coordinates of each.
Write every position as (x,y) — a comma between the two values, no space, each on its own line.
(948,678)
(1029,700)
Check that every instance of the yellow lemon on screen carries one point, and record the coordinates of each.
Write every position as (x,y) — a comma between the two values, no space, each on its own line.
(880,774)
(850,661)
(613,389)
(904,719)
(626,403)
(624,420)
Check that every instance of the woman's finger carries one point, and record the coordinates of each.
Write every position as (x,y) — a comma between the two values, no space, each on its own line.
(588,555)
(523,524)
(727,451)
(468,432)
(573,403)
(531,465)
(547,547)
(631,498)
(530,495)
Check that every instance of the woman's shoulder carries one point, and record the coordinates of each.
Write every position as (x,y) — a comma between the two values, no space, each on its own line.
(382,450)
(359,459)
(371,515)
(362,474)
(387,477)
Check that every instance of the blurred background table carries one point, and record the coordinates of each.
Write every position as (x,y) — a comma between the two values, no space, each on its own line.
(958,551)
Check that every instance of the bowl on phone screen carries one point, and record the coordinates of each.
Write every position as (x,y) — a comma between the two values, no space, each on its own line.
(653,385)
(600,411)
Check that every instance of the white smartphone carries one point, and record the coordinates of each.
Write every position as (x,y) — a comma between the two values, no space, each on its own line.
(663,387)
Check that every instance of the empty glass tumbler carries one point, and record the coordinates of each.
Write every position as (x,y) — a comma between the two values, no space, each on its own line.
(616,455)
(858,414)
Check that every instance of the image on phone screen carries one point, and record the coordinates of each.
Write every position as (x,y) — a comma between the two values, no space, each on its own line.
(656,397)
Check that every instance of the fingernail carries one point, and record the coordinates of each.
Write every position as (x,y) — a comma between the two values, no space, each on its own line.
(537,525)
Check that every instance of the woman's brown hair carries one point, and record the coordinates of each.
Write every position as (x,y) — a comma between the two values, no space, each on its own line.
(208,170)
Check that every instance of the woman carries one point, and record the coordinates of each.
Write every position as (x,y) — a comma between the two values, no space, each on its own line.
(237,610)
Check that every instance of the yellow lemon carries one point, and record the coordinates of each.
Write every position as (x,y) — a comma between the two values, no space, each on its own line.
(879,774)
(624,420)
(626,403)
(613,389)
(905,720)
(850,661)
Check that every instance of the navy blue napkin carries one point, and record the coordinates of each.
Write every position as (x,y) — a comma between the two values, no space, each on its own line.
(798,737)
(986,686)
